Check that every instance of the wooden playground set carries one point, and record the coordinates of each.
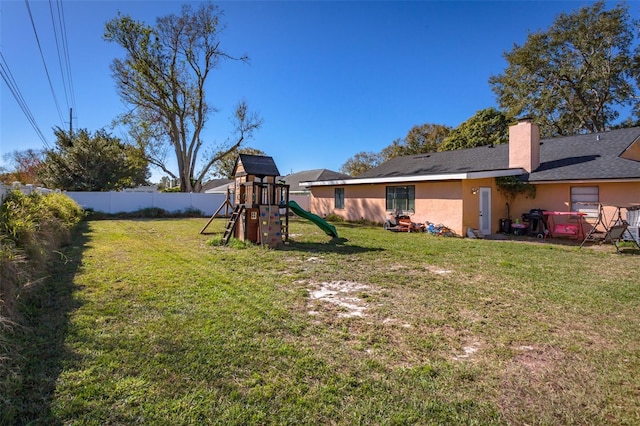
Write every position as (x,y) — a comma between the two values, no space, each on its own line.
(258,206)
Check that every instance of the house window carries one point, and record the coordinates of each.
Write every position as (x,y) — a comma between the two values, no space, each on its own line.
(401,198)
(338,198)
(585,199)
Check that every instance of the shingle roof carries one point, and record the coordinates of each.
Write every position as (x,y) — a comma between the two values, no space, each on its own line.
(294,179)
(258,165)
(588,157)
(447,162)
(582,157)
(215,183)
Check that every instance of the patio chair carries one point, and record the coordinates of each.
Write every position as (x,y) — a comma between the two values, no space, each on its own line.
(615,234)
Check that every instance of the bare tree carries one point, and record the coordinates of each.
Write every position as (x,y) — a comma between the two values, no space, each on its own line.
(163,77)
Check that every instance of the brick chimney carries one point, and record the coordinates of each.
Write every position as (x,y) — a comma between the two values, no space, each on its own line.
(524,145)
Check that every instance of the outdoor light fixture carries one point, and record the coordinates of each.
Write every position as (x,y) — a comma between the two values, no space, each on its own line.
(474,190)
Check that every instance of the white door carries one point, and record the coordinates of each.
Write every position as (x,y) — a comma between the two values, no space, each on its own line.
(485,211)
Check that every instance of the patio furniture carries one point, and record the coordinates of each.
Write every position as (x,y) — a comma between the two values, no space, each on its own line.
(565,229)
(615,234)
(616,228)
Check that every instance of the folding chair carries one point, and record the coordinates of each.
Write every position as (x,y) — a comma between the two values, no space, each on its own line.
(615,234)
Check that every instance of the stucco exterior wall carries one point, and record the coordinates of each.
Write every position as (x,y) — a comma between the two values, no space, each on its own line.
(557,197)
(471,198)
(455,205)
(360,202)
(436,202)
(440,203)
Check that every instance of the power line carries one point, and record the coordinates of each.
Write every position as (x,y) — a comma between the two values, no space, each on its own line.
(65,44)
(60,62)
(44,62)
(7,76)
(62,49)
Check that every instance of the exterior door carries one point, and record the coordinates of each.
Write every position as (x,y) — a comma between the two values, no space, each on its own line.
(485,211)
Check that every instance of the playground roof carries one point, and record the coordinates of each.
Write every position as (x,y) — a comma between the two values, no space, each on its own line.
(257,165)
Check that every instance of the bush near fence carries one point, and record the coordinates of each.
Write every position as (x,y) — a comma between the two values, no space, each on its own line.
(25,189)
(132,201)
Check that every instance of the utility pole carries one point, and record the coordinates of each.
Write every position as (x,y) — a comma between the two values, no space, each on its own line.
(70,123)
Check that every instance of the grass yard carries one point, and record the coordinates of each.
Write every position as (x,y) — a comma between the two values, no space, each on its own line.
(147,323)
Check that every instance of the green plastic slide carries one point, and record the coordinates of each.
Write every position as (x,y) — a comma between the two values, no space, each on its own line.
(328,228)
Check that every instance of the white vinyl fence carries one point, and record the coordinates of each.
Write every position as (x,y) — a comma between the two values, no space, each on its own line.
(131,201)
(25,189)
(126,202)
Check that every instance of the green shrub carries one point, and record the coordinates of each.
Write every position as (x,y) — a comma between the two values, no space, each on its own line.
(32,227)
(215,241)
(334,218)
(192,212)
(147,213)
(367,222)
(239,244)
(38,223)
(12,264)
(18,218)
(234,243)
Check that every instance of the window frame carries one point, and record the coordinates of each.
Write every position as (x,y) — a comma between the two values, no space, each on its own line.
(338,198)
(402,197)
(582,197)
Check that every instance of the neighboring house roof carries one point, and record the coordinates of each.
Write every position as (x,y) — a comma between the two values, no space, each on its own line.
(257,165)
(222,189)
(294,179)
(595,156)
(214,184)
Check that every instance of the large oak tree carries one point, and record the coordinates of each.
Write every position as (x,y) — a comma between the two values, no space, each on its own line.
(360,163)
(420,139)
(487,127)
(163,77)
(575,77)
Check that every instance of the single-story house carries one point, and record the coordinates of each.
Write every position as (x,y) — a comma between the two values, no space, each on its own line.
(216,186)
(300,193)
(458,188)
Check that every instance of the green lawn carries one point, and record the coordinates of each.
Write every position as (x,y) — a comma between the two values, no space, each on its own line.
(147,323)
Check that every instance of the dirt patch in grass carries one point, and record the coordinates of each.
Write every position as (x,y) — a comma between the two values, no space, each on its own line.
(343,294)
(549,380)
(470,348)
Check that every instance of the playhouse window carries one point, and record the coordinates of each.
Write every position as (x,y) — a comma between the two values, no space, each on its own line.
(401,197)
(338,198)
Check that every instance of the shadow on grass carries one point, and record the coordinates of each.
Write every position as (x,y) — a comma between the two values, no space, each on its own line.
(41,338)
(335,245)
(357,225)
(629,251)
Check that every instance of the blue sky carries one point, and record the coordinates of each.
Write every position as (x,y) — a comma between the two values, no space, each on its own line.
(330,79)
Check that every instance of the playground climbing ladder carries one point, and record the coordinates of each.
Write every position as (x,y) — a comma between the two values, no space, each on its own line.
(231,224)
